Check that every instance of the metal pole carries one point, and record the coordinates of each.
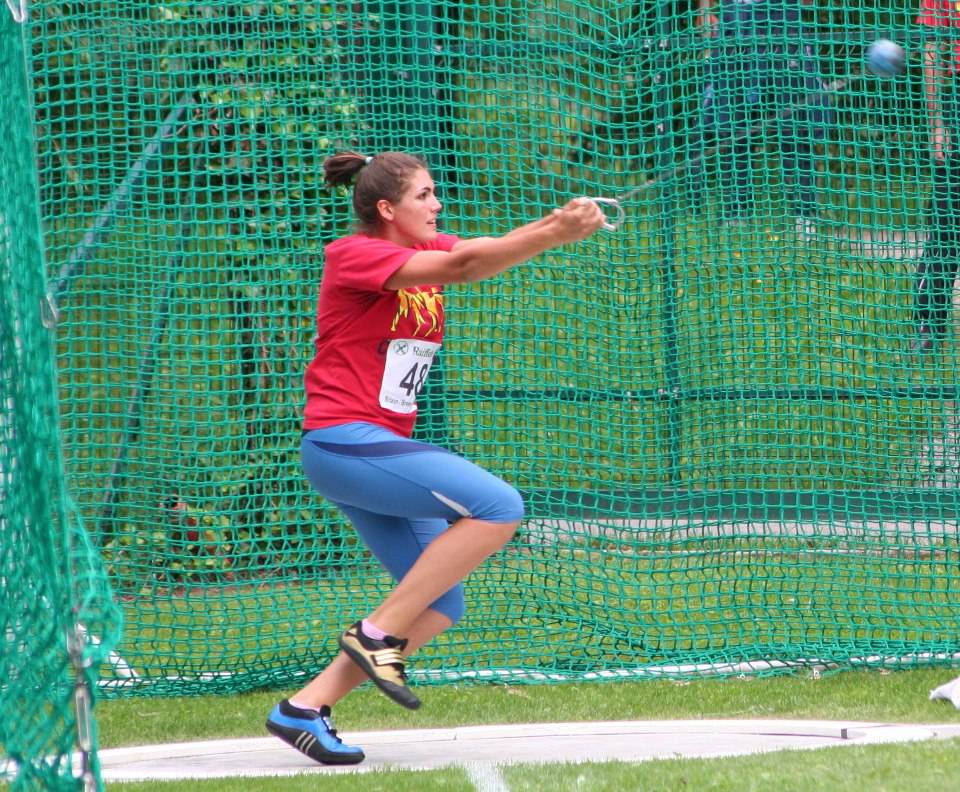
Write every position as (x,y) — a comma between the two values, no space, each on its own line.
(667,239)
(125,192)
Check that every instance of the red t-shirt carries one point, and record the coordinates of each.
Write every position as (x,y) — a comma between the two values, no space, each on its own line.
(942,13)
(374,346)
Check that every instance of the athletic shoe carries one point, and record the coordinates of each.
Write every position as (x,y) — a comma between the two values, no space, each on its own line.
(312,734)
(382,661)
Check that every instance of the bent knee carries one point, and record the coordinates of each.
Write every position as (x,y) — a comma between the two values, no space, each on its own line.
(515,506)
(505,508)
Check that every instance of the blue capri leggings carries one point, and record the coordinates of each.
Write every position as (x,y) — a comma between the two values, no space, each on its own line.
(401,494)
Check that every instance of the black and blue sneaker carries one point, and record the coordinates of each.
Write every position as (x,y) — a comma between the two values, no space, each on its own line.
(312,733)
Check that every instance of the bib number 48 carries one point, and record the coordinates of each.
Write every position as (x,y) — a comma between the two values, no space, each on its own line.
(405,373)
(413,380)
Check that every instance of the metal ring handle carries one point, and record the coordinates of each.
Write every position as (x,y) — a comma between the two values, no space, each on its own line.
(18,10)
(616,206)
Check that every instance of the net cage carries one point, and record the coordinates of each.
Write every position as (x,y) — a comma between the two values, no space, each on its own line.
(58,619)
(733,419)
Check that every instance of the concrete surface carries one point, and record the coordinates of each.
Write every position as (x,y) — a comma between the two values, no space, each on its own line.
(482,749)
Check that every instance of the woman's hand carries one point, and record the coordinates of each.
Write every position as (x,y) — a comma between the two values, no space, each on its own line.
(577,220)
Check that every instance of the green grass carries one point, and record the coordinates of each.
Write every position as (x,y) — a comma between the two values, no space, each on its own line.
(875,768)
(899,697)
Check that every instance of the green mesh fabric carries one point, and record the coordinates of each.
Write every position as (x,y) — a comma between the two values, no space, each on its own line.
(57,618)
(731,458)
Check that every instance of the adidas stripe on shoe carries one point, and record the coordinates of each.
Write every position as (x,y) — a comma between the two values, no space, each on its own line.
(382,661)
(311,734)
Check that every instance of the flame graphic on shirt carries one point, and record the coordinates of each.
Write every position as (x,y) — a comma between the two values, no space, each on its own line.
(426,307)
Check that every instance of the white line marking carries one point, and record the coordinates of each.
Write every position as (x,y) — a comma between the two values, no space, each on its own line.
(486,777)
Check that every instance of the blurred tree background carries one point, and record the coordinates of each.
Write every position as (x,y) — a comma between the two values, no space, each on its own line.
(181,146)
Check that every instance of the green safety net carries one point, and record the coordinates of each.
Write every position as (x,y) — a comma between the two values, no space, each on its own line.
(732,457)
(57,616)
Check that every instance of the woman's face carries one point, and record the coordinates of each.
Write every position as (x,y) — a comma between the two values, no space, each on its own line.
(413,218)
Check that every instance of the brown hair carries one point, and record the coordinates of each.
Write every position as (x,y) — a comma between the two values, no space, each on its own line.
(385,177)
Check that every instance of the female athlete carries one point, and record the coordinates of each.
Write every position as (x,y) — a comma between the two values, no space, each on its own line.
(429,516)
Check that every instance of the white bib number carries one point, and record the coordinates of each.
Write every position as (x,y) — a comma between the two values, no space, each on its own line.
(405,372)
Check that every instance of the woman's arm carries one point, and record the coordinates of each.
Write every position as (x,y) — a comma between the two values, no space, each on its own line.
(484,257)
(464,244)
